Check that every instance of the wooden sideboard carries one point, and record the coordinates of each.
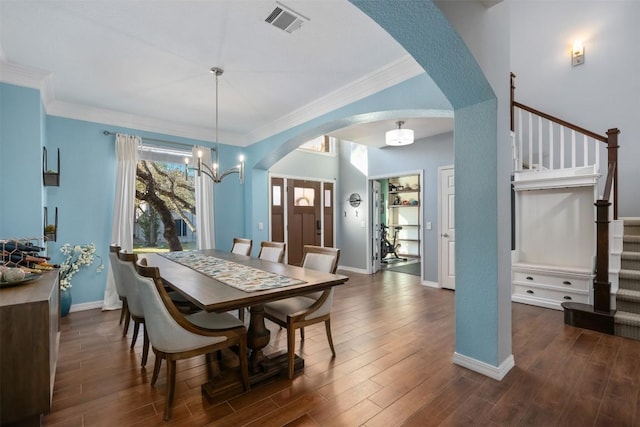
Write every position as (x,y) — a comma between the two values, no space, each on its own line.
(29,339)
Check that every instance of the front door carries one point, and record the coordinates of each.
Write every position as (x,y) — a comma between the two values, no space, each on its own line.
(304,217)
(447,229)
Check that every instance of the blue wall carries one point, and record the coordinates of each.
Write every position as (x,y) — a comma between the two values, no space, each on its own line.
(21,190)
(427,155)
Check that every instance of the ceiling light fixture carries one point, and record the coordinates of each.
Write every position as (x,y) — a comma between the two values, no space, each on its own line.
(213,171)
(398,137)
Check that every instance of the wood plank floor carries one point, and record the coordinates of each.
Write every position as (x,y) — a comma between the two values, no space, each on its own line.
(394,340)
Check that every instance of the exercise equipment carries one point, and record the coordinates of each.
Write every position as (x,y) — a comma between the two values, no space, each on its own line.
(388,248)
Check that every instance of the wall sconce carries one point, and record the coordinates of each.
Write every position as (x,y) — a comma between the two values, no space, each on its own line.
(577,53)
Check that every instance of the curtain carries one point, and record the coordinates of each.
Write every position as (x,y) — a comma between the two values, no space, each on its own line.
(205,232)
(123,207)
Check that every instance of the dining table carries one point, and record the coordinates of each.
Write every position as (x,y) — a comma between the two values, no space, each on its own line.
(220,281)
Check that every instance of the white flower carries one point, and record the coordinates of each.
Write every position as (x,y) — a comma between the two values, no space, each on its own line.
(74,258)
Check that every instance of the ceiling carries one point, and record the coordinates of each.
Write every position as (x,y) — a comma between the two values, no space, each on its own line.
(145,65)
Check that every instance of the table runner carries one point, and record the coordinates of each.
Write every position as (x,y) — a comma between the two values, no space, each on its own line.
(239,276)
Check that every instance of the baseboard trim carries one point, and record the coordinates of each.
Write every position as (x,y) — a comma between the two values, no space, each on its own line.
(352,269)
(495,372)
(85,306)
(431,284)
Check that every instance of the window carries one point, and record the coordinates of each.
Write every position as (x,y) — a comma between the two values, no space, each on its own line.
(303,196)
(181,227)
(322,144)
(277,196)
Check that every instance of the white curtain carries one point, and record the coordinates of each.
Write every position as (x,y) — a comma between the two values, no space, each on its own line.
(123,207)
(205,232)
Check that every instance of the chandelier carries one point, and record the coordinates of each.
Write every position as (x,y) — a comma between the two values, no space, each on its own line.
(213,171)
(397,137)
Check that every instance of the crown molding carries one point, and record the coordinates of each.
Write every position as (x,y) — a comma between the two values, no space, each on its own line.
(133,121)
(383,78)
(24,76)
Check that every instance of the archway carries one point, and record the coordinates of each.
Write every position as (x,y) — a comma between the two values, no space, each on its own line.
(483,330)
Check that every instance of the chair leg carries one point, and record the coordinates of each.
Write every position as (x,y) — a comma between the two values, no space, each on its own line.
(291,348)
(241,314)
(123,310)
(127,319)
(327,325)
(171,383)
(145,346)
(156,369)
(136,329)
(302,334)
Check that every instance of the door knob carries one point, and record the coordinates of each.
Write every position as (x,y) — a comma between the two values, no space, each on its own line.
(445,235)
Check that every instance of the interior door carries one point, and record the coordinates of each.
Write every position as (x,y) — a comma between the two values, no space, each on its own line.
(447,229)
(304,217)
(376,208)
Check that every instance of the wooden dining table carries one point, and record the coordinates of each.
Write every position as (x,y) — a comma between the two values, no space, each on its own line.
(213,295)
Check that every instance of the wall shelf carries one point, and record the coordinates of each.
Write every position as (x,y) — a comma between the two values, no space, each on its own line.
(50,178)
(405,218)
(50,230)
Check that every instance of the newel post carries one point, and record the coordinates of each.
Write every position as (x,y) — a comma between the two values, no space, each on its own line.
(612,155)
(513,91)
(601,284)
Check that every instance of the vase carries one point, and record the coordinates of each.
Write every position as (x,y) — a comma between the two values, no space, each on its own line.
(65,302)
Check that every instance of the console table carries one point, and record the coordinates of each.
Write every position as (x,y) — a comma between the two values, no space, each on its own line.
(29,337)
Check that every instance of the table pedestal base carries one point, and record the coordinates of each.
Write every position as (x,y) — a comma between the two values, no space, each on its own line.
(230,384)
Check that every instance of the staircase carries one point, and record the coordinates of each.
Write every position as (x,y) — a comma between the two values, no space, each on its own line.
(627,317)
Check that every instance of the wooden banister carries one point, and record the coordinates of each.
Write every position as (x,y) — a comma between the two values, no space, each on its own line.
(561,122)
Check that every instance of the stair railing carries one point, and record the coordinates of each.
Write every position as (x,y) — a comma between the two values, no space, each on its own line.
(531,153)
(524,159)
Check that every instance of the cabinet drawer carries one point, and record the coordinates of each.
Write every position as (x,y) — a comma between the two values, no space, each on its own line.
(564,282)
(559,295)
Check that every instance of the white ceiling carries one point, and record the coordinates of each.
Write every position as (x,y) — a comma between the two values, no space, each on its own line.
(146,64)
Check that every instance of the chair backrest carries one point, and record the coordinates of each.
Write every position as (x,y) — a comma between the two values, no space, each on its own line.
(115,269)
(128,278)
(167,329)
(242,246)
(319,258)
(272,251)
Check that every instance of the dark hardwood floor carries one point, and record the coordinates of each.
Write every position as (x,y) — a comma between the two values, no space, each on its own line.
(395,341)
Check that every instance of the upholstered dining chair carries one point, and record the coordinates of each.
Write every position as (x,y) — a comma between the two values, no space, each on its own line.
(114,250)
(127,266)
(272,251)
(174,336)
(297,312)
(241,246)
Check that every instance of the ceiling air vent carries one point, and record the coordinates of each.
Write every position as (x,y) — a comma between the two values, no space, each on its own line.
(285,18)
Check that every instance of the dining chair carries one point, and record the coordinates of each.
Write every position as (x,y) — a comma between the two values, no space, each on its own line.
(127,265)
(272,251)
(114,250)
(174,336)
(242,246)
(297,312)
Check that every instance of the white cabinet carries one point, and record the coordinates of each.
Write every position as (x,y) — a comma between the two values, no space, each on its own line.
(553,260)
(549,286)
(403,214)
